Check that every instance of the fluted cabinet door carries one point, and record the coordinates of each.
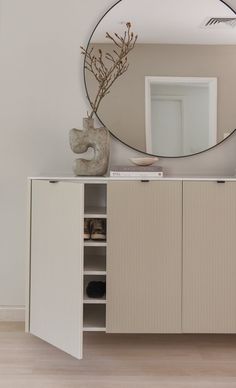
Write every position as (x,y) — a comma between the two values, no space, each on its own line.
(144,257)
(209,257)
(56,276)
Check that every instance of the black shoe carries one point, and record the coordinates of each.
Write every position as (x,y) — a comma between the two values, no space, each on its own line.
(96,289)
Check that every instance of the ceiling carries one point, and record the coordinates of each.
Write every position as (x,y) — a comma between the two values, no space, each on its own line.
(169,21)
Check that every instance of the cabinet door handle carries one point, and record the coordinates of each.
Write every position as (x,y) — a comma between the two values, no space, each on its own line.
(145,181)
(53,181)
(220,181)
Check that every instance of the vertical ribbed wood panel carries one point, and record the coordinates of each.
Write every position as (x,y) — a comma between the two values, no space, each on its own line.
(209,257)
(144,257)
(56,298)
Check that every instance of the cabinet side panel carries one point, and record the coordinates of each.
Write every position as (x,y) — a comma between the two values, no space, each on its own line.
(57,264)
(209,257)
(144,257)
(28,259)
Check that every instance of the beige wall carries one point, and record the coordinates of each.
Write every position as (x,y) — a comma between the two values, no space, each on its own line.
(42,96)
(123,111)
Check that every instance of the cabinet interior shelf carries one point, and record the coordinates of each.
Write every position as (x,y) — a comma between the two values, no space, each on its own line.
(94,318)
(94,272)
(95,212)
(88,300)
(94,265)
(87,328)
(94,243)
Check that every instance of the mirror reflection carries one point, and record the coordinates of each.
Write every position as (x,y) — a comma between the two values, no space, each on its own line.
(178,95)
(181,114)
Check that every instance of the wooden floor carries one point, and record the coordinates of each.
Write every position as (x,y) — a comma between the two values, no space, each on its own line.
(120,361)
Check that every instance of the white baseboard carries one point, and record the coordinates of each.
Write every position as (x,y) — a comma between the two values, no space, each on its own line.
(12,313)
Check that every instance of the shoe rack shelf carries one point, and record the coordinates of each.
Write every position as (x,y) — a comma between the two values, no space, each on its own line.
(87,279)
(95,201)
(94,311)
(91,243)
(88,300)
(94,317)
(94,264)
(95,212)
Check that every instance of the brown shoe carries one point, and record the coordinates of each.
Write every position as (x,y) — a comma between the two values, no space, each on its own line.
(87,228)
(98,229)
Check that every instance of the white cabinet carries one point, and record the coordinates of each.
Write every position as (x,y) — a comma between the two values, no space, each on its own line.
(169,259)
(62,263)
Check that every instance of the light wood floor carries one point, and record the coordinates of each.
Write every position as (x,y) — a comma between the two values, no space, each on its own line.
(118,361)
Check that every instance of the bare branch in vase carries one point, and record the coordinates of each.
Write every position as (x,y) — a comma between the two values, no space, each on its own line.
(104,74)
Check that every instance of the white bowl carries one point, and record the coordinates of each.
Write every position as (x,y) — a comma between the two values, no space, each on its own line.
(144,161)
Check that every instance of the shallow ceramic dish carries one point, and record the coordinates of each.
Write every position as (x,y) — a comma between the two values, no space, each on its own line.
(144,161)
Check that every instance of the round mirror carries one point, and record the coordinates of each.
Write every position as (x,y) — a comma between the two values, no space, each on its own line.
(178,96)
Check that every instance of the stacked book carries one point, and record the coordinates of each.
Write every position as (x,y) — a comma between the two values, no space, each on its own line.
(137,171)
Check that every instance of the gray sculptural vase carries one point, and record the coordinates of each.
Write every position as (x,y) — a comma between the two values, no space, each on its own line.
(90,137)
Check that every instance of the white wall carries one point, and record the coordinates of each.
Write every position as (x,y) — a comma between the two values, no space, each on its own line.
(41,98)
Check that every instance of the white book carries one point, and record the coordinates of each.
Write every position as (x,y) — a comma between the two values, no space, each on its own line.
(149,174)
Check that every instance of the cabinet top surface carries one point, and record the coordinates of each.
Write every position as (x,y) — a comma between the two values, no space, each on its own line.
(108,179)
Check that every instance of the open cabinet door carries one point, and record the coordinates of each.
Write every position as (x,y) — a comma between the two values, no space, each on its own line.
(56,273)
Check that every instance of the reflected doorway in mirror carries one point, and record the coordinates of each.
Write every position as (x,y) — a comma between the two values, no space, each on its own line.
(180,115)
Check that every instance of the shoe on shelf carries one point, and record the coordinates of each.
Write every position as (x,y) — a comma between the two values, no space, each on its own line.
(98,229)
(96,289)
(87,234)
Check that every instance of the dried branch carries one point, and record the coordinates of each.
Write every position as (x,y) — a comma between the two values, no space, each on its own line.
(104,74)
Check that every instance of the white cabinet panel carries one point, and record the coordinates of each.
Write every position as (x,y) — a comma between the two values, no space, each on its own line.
(56,281)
